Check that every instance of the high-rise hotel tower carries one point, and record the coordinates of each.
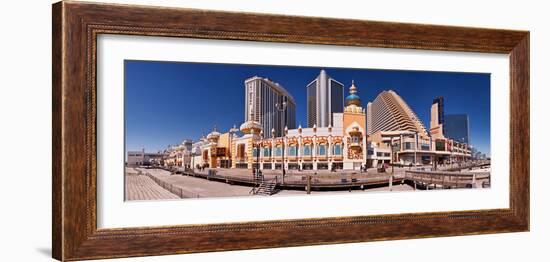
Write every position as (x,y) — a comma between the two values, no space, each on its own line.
(261,97)
(389,112)
(324,97)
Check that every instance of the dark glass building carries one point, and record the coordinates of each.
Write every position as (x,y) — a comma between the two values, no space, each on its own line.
(457,127)
(440,111)
(325,96)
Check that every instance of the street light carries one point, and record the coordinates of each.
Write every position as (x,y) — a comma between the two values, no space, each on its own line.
(281,107)
(192,161)
(415,146)
(463,150)
(258,150)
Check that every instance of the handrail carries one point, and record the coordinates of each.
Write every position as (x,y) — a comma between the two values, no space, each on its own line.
(447,173)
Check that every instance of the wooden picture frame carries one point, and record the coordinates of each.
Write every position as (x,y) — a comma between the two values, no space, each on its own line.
(76,26)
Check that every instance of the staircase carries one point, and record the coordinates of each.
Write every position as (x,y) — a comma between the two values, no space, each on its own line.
(265,188)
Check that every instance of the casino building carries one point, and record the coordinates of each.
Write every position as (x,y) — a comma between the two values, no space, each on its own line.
(261,97)
(325,96)
(339,146)
(387,131)
(398,136)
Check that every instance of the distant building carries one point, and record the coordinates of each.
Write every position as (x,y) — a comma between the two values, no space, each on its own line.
(389,112)
(261,97)
(437,118)
(325,96)
(140,158)
(395,131)
(457,127)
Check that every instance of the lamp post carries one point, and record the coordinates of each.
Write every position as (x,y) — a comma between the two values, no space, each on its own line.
(192,161)
(391,176)
(392,157)
(259,149)
(415,147)
(281,107)
(464,150)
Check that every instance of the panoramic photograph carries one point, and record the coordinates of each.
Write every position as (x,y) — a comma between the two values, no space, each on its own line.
(203,130)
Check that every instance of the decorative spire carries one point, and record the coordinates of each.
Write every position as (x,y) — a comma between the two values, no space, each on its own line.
(352,89)
(353,98)
(234,129)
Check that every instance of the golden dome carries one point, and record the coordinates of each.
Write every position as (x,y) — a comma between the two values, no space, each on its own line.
(251,127)
(213,136)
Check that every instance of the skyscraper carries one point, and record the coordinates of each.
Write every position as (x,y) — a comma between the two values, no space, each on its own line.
(325,96)
(261,96)
(437,118)
(389,112)
(457,127)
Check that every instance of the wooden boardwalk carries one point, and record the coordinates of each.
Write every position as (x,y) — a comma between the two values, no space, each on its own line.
(142,187)
(445,179)
(144,184)
(331,181)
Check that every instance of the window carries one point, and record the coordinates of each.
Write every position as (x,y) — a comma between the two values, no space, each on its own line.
(337,149)
(440,145)
(267,152)
(278,151)
(379,154)
(240,151)
(425,147)
(255,152)
(396,147)
(408,145)
(307,150)
(292,150)
(386,154)
(370,152)
(322,150)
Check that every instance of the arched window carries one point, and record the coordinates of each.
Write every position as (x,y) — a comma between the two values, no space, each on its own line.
(322,150)
(337,149)
(278,151)
(240,150)
(307,150)
(292,150)
(267,152)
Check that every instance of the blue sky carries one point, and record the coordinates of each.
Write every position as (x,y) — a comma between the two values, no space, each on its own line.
(166,102)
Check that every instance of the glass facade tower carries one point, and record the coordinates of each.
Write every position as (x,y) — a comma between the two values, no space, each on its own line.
(261,96)
(325,96)
(457,127)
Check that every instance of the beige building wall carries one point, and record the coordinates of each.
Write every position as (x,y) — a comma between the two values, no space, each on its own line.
(436,129)
(389,112)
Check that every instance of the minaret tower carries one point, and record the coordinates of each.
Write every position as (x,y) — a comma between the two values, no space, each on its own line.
(355,131)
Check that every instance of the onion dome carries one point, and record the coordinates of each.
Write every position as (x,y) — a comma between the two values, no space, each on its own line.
(353,99)
(251,127)
(213,136)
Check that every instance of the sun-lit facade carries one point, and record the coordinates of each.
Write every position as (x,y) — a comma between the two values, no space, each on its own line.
(387,131)
(342,146)
(398,136)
